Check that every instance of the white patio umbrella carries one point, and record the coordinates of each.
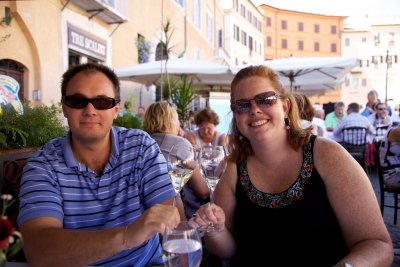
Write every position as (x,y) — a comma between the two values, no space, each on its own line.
(202,72)
(316,74)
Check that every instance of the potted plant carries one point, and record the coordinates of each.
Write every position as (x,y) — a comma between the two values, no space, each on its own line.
(32,128)
(20,135)
(183,93)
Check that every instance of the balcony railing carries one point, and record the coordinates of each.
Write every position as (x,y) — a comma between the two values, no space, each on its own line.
(110,11)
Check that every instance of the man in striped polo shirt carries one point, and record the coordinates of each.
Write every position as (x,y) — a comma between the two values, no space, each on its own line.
(100,195)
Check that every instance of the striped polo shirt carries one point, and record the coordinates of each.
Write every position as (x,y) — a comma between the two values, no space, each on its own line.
(135,178)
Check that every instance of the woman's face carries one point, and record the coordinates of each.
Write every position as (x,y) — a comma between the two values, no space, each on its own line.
(264,119)
(207,132)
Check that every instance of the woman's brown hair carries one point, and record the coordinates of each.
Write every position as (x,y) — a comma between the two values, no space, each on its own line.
(239,146)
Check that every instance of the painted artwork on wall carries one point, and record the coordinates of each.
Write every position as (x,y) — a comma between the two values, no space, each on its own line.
(9,88)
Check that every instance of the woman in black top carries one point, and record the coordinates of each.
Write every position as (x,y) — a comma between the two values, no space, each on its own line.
(288,198)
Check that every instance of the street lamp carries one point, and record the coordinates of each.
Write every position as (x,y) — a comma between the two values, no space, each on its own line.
(387,71)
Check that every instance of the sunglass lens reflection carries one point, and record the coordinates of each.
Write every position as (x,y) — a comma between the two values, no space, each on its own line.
(101,103)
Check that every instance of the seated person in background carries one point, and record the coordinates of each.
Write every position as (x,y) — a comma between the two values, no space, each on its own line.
(206,121)
(353,119)
(162,123)
(304,196)
(395,115)
(381,117)
(319,120)
(389,156)
(372,100)
(100,195)
(306,112)
(333,118)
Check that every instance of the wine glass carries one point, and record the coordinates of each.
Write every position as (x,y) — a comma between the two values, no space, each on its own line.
(182,246)
(182,164)
(213,164)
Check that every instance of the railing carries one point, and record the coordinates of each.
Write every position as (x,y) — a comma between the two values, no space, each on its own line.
(11,167)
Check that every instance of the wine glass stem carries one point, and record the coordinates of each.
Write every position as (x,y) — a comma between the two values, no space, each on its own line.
(212,195)
(176,198)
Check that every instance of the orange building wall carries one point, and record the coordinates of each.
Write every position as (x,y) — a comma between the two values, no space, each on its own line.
(325,38)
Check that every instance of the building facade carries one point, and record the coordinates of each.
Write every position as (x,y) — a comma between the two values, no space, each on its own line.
(299,34)
(243,32)
(42,38)
(376,44)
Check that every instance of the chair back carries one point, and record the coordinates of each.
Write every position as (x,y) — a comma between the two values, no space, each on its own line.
(354,136)
(382,186)
(381,130)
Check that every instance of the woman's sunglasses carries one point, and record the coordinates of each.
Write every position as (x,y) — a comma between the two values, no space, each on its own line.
(79,102)
(262,100)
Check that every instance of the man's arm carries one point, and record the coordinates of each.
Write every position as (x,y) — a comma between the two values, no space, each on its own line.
(46,243)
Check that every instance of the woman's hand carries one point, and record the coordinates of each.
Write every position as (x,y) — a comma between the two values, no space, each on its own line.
(207,214)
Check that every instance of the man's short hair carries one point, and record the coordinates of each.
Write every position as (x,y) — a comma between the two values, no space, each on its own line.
(373,92)
(339,104)
(354,107)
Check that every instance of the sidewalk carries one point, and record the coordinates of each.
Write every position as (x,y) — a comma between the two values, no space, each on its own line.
(388,213)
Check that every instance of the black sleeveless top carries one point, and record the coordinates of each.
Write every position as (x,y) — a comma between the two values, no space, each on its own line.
(294,228)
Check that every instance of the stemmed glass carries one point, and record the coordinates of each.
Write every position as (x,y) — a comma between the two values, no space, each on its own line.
(182,164)
(182,246)
(213,164)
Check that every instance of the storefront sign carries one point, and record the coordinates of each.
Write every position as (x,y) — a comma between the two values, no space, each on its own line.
(87,42)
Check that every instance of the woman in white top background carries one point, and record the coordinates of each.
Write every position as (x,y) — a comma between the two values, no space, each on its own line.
(206,121)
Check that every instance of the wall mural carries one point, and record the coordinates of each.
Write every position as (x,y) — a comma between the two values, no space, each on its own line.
(9,88)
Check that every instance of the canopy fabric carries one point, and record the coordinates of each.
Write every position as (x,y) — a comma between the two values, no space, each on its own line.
(202,72)
(308,73)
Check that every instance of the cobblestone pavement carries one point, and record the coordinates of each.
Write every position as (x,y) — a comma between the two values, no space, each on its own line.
(388,213)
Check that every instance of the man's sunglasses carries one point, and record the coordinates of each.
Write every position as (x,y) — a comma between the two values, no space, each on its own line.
(79,102)
(262,100)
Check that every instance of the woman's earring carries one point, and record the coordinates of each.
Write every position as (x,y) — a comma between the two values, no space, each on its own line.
(238,134)
(287,123)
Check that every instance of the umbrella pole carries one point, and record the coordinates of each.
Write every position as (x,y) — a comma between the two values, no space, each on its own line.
(291,78)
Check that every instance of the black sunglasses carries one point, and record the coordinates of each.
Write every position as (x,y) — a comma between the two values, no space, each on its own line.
(79,102)
(262,100)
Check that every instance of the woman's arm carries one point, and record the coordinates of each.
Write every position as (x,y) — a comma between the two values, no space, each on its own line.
(223,140)
(221,243)
(354,202)
(191,137)
(199,184)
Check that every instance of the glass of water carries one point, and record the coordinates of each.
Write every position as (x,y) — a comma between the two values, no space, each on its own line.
(182,246)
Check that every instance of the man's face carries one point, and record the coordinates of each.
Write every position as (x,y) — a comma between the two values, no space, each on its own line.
(339,112)
(381,110)
(90,124)
(372,98)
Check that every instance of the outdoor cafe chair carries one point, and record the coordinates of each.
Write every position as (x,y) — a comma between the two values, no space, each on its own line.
(381,130)
(386,191)
(354,140)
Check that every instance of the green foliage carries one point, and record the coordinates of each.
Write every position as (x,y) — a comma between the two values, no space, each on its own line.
(35,127)
(170,82)
(183,94)
(12,137)
(128,121)
(166,50)
(168,31)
